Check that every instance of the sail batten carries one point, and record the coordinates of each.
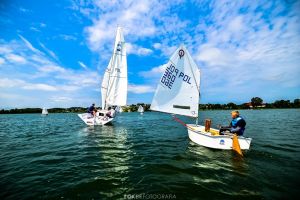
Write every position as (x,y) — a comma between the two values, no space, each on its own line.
(179,87)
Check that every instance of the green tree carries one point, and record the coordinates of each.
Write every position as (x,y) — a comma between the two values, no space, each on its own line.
(256,101)
(282,104)
(232,105)
(297,103)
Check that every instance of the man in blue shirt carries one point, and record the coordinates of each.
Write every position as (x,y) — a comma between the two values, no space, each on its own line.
(92,109)
(236,126)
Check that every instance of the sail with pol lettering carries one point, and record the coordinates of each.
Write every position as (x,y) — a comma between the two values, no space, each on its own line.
(179,87)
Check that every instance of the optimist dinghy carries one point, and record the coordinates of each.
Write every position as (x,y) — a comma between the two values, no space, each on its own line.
(44,112)
(141,109)
(178,93)
(114,84)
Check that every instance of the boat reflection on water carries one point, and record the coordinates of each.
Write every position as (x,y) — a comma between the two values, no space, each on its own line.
(110,153)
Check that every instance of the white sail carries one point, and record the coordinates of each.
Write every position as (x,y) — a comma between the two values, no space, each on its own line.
(114,83)
(141,109)
(44,111)
(119,109)
(179,87)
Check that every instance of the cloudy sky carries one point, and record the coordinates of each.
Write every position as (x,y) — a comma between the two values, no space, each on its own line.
(53,53)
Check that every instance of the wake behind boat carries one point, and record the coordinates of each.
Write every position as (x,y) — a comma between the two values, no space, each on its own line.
(114,84)
(178,93)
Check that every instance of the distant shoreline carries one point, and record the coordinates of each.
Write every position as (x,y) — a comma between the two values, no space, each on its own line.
(83,110)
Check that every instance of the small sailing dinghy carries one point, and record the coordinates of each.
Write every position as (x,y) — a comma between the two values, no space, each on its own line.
(141,109)
(119,109)
(44,112)
(114,84)
(178,93)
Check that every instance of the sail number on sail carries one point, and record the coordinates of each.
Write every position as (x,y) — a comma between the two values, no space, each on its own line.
(171,74)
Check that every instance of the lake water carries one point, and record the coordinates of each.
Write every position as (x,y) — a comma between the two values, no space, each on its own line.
(146,156)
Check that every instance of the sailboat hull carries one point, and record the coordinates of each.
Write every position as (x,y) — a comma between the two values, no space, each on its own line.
(98,120)
(199,136)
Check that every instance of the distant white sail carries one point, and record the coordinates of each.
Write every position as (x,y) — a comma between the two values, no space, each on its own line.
(179,87)
(44,111)
(119,109)
(141,109)
(114,84)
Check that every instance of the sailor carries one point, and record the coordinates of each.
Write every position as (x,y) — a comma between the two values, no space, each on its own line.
(92,110)
(110,113)
(236,126)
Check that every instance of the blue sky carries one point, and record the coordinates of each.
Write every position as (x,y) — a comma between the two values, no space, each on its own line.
(53,53)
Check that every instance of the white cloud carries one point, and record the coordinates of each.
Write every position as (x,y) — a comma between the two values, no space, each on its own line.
(51,53)
(139,19)
(34,29)
(17,83)
(29,45)
(157,45)
(9,83)
(154,72)
(135,49)
(51,68)
(140,89)
(67,37)
(248,50)
(5,49)
(39,86)
(2,61)
(14,58)
(214,56)
(60,99)
(43,75)
(82,65)
(24,10)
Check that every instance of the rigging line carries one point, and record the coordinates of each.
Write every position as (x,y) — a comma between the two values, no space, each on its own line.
(198,86)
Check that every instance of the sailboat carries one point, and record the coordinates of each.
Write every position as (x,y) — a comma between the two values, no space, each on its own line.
(178,92)
(119,109)
(114,84)
(44,112)
(141,109)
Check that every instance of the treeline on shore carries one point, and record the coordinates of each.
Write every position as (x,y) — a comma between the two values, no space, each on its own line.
(256,103)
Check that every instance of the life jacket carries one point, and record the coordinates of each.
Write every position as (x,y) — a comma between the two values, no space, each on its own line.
(234,124)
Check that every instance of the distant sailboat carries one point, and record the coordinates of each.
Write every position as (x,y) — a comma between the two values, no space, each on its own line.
(114,83)
(141,109)
(119,109)
(178,93)
(44,111)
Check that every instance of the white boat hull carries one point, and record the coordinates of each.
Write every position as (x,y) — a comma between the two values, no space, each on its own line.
(98,120)
(198,135)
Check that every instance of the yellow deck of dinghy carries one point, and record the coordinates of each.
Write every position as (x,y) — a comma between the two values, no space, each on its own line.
(214,132)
